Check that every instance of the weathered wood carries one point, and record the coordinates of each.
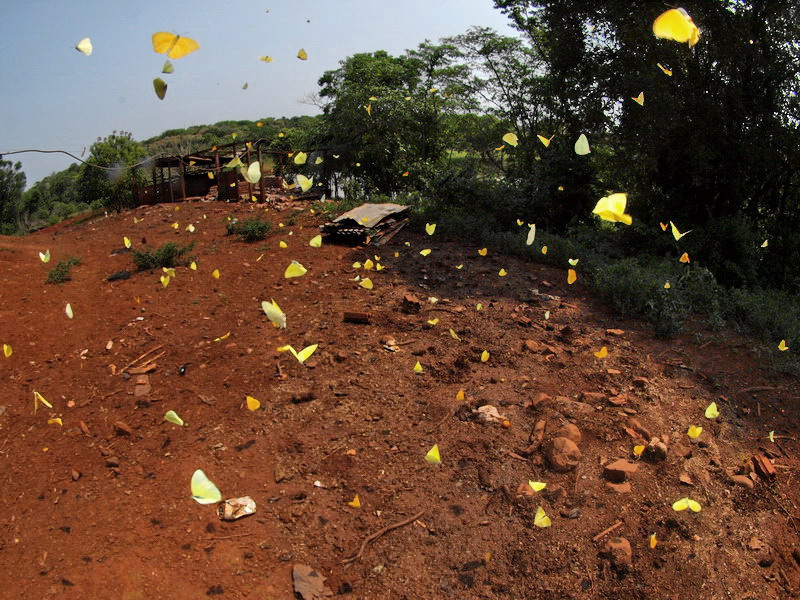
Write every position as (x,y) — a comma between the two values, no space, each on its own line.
(357,317)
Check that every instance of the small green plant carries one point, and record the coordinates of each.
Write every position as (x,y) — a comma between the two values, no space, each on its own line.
(250,230)
(168,255)
(60,273)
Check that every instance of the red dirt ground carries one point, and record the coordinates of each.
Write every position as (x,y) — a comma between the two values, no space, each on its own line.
(358,420)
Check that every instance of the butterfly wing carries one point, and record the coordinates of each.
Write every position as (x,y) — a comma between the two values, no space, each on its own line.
(163,42)
(203,489)
(303,355)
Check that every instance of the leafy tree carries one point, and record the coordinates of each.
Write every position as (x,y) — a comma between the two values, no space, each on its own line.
(111,184)
(12,183)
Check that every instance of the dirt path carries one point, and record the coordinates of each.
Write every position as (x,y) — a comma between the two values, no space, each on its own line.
(100,507)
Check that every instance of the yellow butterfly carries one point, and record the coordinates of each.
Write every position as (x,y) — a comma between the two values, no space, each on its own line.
(302,54)
(639,99)
(418,368)
(295,269)
(638,450)
(215,273)
(612,208)
(7,351)
(541,519)
(454,335)
(301,356)
(433,455)
(193,266)
(653,540)
(502,273)
(545,141)
(56,421)
(602,353)
(37,397)
(667,286)
(582,145)
(460,395)
(84,46)
(482,251)
(430,228)
(68,310)
(173,417)
(283,244)
(355,502)
(511,139)
(253,173)
(165,279)
(318,161)
(531,235)
(274,313)
(300,158)
(45,258)
(573,261)
(368,264)
(765,244)
(316,241)
(537,486)
(305,182)
(203,489)
(684,258)
(368,108)
(544,249)
(694,431)
(425,252)
(173,45)
(782,346)
(433,322)
(677,234)
(485,356)
(252,404)
(572,276)
(366,283)
(676,24)
(667,72)
(266,59)
(712,412)
(685,503)
(223,337)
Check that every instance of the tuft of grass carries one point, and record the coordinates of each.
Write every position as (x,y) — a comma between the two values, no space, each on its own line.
(250,230)
(61,272)
(168,255)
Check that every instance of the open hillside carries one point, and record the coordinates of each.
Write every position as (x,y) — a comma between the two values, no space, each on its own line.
(99,505)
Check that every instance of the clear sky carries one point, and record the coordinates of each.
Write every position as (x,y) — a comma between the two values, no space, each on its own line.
(54,97)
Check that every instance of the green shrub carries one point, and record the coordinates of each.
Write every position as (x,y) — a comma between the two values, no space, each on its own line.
(168,255)
(60,272)
(250,230)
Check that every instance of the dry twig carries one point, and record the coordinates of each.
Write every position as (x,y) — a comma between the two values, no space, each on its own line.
(379,533)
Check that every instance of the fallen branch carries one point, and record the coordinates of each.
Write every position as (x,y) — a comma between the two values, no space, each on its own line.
(379,533)
(228,537)
(607,530)
(758,388)
(133,362)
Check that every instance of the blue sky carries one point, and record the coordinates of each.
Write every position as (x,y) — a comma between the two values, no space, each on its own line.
(54,97)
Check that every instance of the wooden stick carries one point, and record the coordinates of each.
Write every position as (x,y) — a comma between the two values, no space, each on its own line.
(758,388)
(133,362)
(378,534)
(228,537)
(607,530)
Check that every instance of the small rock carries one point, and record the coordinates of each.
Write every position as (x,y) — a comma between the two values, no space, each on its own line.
(553,493)
(616,332)
(570,513)
(619,470)
(766,562)
(571,432)
(618,550)
(620,400)
(613,371)
(562,454)
(641,382)
(743,481)
(685,479)
(75,475)
(112,461)
(640,429)
(593,397)
(122,428)
(530,345)
(572,408)
(340,357)
(756,544)
(549,350)
(539,400)
(620,488)
(655,451)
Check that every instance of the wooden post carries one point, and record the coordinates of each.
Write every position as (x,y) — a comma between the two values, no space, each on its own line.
(249,185)
(261,185)
(183,179)
(169,184)
(217,172)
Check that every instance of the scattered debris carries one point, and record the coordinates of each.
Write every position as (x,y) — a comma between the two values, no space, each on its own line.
(236,508)
(376,223)
(309,583)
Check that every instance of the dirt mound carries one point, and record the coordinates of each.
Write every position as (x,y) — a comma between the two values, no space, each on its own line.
(100,507)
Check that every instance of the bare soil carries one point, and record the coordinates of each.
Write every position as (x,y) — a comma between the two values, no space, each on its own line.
(101,506)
